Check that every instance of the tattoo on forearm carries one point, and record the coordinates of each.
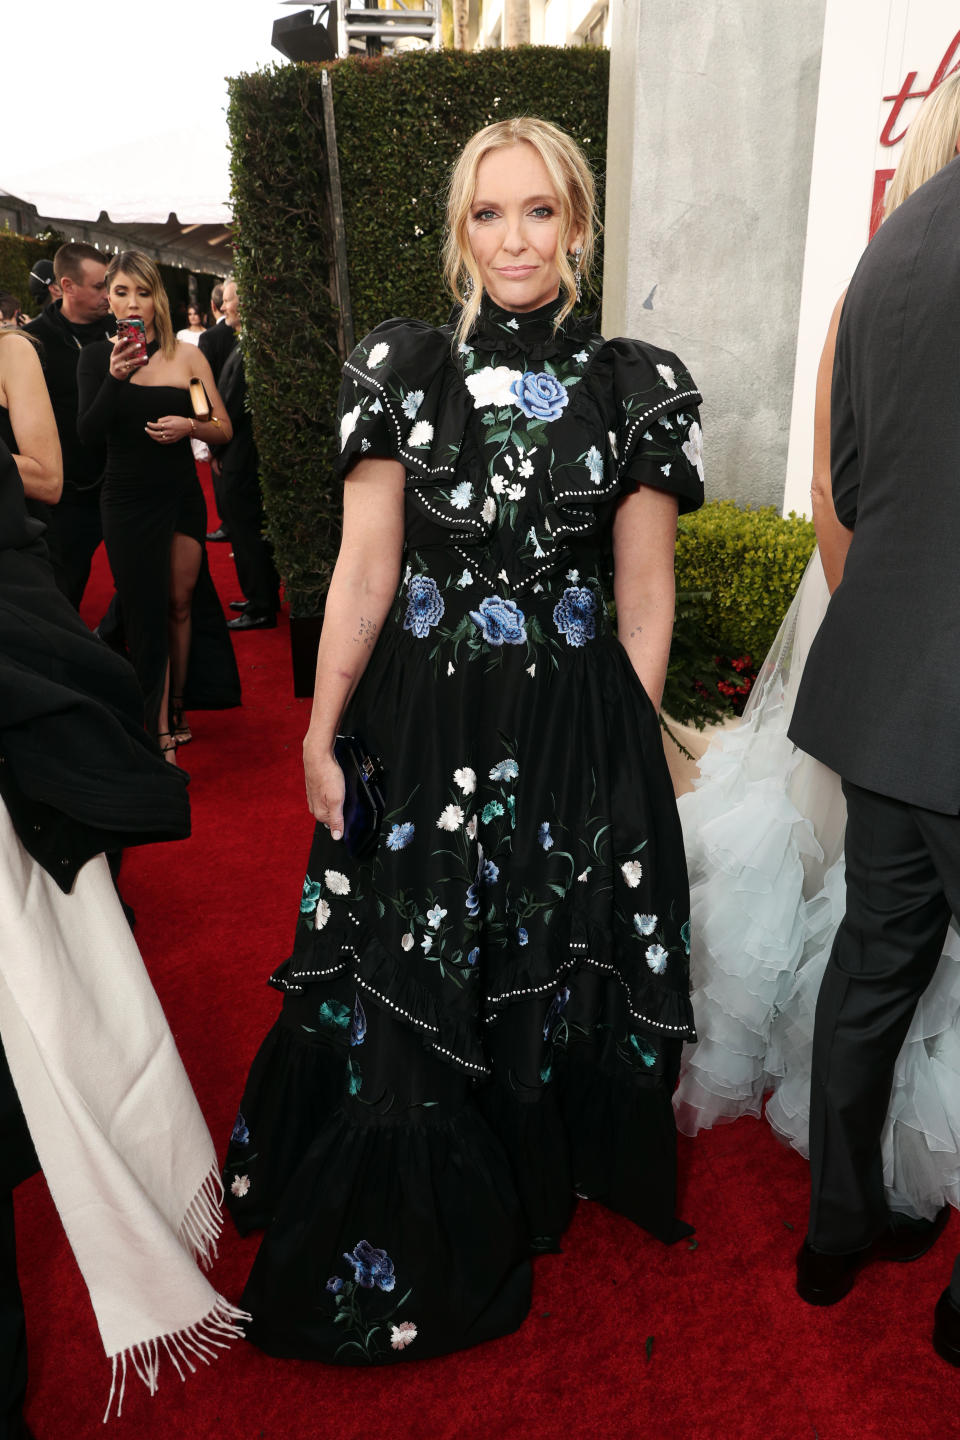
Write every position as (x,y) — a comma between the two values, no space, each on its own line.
(367,633)
(637,631)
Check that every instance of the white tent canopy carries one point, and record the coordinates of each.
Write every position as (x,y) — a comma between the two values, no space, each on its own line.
(183,173)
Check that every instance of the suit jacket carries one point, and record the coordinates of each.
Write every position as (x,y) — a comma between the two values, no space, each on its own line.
(241,452)
(216,344)
(880,697)
(82,464)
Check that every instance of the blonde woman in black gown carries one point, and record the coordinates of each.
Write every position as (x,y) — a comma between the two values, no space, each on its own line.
(483,1017)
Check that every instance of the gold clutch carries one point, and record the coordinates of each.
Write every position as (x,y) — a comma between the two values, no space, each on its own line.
(199,399)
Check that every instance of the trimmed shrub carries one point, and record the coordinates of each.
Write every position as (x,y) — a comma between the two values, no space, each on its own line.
(18,255)
(400,123)
(746,564)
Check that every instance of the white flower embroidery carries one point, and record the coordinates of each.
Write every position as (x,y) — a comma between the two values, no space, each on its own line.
(376,408)
(465,579)
(581,357)
(336,882)
(657,959)
(348,424)
(377,355)
(508,461)
(538,588)
(403,1334)
(406,941)
(491,386)
(411,403)
(573,576)
(461,495)
(517,492)
(471,831)
(526,468)
(465,349)
(538,550)
(434,916)
(644,924)
(532,669)
(322,915)
(667,374)
(632,870)
(613,444)
(240,1185)
(364,444)
(692,447)
(451,818)
(595,465)
(497,484)
(665,469)
(451,668)
(466,779)
(420,435)
(512,325)
(489,511)
(502,575)
(407,574)
(582,878)
(425,943)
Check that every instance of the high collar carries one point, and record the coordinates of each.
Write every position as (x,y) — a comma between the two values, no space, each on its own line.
(530,330)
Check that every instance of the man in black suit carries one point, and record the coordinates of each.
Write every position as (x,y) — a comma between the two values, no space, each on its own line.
(216,343)
(240,500)
(80,318)
(880,704)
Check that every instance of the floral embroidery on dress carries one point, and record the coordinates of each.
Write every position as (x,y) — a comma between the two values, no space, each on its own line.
(373,1274)
(574,616)
(425,606)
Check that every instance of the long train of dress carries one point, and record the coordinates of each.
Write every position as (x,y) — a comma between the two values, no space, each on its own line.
(764,835)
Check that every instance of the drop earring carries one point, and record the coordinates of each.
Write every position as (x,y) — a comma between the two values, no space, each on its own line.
(578,278)
(468,287)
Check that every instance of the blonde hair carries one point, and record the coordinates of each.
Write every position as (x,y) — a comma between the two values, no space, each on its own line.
(930,144)
(140,267)
(570,173)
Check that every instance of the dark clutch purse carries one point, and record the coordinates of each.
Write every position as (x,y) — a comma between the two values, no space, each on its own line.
(363,794)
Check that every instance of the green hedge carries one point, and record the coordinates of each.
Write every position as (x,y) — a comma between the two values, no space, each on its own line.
(18,255)
(400,123)
(750,563)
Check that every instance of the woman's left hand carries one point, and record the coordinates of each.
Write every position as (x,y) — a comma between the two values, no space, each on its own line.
(169,429)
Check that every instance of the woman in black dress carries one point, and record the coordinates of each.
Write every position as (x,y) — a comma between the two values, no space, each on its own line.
(154,515)
(483,1018)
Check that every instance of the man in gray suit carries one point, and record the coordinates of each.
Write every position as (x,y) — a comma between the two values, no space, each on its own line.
(880,704)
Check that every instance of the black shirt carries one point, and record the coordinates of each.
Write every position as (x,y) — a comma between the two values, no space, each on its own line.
(62,341)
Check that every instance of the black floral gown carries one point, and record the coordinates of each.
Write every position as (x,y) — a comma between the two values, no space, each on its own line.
(483,1020)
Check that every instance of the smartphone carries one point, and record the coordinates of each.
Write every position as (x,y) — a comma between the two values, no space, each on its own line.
(134,330)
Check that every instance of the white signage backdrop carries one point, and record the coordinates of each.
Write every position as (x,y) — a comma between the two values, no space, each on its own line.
(880,59)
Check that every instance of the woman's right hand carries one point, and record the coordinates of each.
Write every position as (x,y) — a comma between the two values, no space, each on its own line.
(124,359)
(325,788)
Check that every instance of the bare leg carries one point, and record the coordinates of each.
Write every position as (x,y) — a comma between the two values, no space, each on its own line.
(185,559)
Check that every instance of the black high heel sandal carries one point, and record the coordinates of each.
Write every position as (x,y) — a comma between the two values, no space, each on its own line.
(179,726)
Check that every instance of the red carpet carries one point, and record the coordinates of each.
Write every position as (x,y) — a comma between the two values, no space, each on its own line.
(704,1341)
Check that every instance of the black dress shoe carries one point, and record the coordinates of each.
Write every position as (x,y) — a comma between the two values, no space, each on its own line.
(220,534)
(946,1329)
(242,605)
(825,1279)
(248,621)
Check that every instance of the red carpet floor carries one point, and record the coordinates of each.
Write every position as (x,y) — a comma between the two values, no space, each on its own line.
(626,1338)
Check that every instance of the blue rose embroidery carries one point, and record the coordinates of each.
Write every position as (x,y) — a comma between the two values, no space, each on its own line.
(557,1006)
(400,836)
(522,936)
(371,1267)
(310,896)
(473,901)
(241,1135)
(500,621)
(544,836)
(334,1284)
(358,1029)
(474,956)
(540,397)
(574,615)
(425,606)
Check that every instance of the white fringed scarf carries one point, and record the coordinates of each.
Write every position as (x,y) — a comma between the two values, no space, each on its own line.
(116,1126)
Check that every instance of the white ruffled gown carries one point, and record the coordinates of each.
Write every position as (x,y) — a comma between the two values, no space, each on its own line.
(764,835)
